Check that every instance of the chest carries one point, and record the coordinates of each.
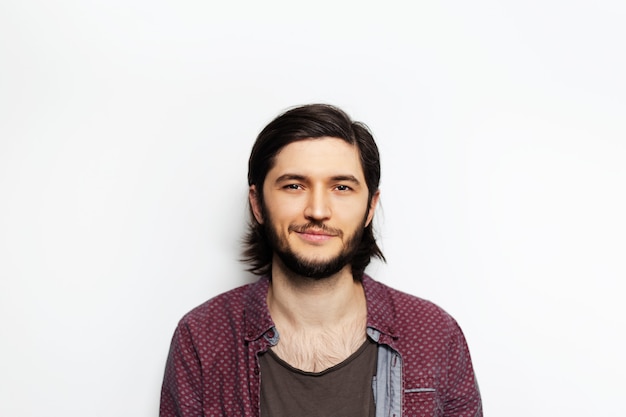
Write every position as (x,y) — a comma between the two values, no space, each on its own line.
(345,389)
(314,349)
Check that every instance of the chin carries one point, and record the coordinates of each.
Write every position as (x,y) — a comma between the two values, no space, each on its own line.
(315,268)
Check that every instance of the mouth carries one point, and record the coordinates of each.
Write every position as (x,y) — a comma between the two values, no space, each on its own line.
(315,235)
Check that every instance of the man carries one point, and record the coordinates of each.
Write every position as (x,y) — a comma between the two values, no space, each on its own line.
(315,336)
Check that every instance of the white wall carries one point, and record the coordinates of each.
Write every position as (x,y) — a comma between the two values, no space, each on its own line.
(125,128)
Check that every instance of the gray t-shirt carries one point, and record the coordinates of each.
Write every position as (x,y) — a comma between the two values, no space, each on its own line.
(344,390)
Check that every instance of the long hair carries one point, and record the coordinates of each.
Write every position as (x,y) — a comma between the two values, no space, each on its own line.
(300,123)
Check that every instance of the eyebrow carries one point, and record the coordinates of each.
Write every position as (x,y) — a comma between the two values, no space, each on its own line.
(290,177)
(349,178)
(298,177)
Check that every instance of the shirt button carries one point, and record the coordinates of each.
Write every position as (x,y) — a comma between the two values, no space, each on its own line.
(270,333)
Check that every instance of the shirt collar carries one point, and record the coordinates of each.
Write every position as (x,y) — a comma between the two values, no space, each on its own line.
(380,309)
(257,315)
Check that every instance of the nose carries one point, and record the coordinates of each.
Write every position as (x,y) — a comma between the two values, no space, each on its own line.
(318,207)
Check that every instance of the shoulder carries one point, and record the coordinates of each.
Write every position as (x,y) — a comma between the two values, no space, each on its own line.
(432,348)
(227,310)
(406,315)
(217,305)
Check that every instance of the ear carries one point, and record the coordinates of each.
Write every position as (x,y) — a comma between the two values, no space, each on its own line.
(372,208)
(255,204)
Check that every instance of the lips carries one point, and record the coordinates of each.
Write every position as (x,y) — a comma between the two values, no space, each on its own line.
(315,237)
(315,230)
(315,234)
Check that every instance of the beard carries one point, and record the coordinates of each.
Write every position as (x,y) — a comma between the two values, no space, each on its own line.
(312,268)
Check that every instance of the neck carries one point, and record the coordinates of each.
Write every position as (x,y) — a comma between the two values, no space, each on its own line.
(321,322)
(306,302)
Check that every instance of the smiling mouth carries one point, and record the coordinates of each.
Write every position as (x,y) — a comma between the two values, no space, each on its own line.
(315,234)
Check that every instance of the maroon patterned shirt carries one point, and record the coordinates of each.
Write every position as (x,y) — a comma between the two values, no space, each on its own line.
(424,367)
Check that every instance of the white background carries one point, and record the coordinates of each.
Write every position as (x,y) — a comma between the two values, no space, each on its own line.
(125,128)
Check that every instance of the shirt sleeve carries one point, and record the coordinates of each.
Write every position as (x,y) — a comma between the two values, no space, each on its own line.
(181,393)
(462,397)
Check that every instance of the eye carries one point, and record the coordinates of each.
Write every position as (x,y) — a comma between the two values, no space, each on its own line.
(292,187)
(342,187)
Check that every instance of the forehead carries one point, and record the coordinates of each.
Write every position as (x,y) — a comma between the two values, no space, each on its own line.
(326,156)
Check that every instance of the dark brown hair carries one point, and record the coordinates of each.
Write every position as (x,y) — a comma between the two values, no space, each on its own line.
(300,123)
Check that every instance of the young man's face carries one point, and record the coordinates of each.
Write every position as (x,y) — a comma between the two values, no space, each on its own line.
(315,205)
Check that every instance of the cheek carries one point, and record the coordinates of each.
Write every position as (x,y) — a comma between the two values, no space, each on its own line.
(351,210)
(280,218)
(285,209)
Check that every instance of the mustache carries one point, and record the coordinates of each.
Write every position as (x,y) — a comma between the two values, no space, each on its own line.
(318,227)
